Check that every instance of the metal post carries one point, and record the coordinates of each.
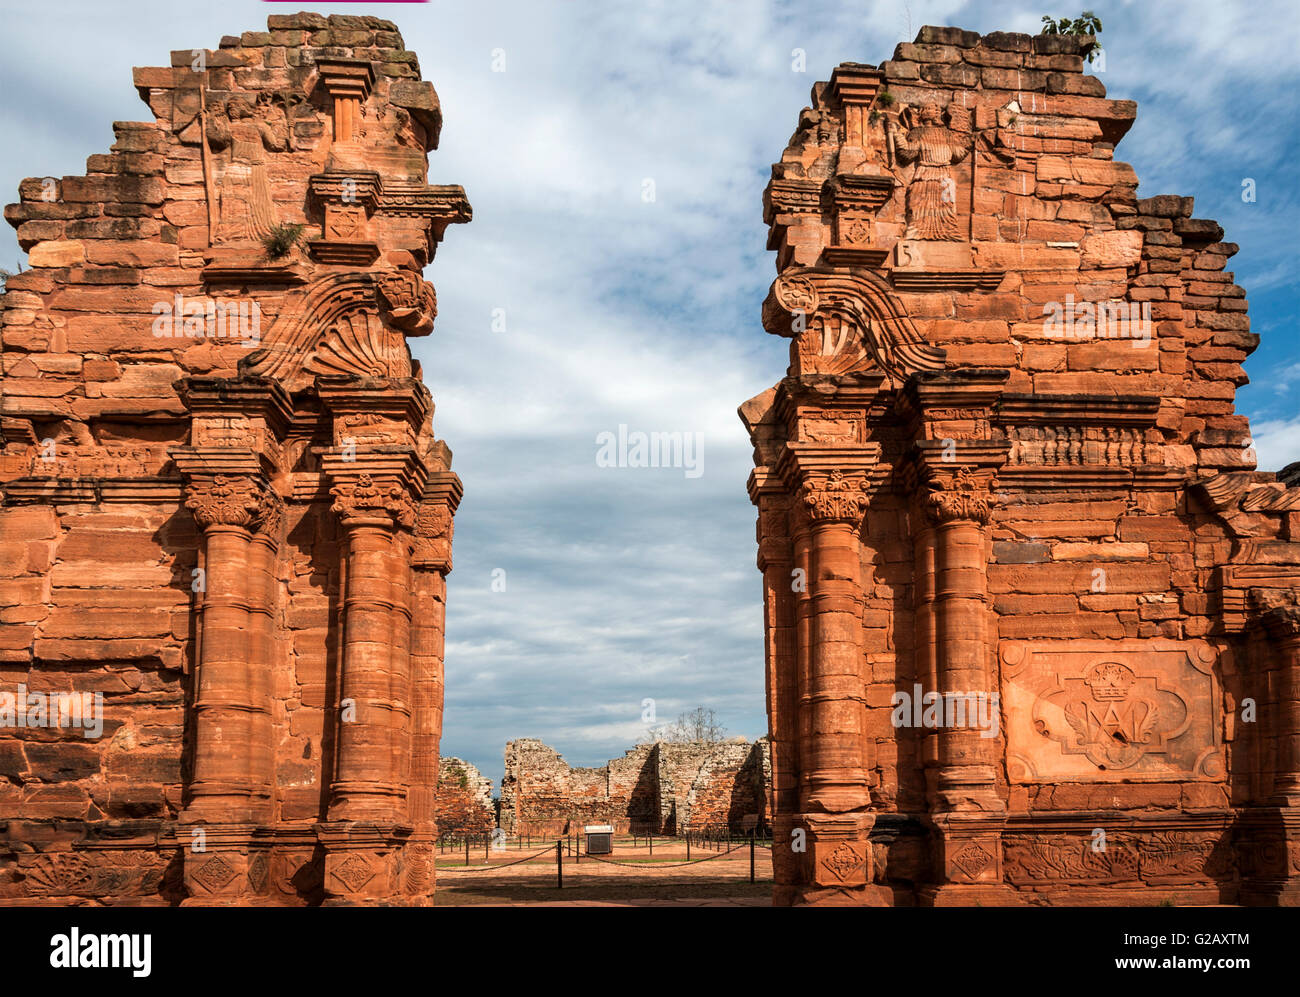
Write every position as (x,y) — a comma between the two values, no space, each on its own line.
(559,867)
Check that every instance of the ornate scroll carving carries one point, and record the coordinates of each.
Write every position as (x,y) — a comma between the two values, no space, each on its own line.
(961,495)
(369,501)
(836,499)
(842,322)
(353,323)
(131,873)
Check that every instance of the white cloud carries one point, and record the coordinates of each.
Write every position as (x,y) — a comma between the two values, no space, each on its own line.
(1277,443)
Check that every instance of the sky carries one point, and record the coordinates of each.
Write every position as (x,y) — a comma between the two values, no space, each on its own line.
(574,303)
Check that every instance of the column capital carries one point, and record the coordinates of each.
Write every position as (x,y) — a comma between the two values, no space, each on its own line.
(835,498)
(962,494)
(234,500)
(368,501)
(1282,622)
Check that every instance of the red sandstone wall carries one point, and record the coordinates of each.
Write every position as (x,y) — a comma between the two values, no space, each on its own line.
(103,576)
(1001,504)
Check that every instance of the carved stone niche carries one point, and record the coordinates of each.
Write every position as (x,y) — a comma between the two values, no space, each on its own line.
(853,201)
(1112,711)
(347,199)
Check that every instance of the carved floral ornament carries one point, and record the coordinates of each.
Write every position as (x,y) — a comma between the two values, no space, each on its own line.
(367,499)
(961,495)
(836,498)
(235,500)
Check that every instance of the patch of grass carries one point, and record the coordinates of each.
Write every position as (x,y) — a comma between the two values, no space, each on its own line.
(279,242)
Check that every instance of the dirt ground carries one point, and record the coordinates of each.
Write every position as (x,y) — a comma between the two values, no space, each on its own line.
(657,880)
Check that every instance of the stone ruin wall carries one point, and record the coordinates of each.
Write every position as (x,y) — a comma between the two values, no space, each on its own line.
(464,802)
(657,788)
(985,503)
(185,504)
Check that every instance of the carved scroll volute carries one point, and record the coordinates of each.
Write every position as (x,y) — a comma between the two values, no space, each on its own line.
(842,322)
(369,502)
(964,495)
(410,301)
(235,500)
(835,499)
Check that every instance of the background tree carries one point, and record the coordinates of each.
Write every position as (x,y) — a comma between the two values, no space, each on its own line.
(697,725)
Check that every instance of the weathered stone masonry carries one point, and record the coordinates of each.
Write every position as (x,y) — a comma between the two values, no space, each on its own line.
(969,486)
(464,800)
(659,788)
(224,506)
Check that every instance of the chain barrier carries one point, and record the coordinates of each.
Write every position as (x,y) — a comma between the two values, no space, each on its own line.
(549,849)
(667,865)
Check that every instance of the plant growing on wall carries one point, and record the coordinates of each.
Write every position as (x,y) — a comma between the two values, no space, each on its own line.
(1086,25)
(281,239)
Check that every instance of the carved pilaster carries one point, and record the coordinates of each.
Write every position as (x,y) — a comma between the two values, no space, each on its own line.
(834,794)
(431,561)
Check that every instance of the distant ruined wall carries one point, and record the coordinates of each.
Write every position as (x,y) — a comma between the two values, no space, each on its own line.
(223,507)
(464,800)
(659,788)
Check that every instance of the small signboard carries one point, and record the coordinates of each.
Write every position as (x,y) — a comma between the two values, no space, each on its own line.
(600,838)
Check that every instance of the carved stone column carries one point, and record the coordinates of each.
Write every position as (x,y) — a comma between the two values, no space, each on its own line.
(230,793)
(959,506)
(1283,627)
(367,783)
(233,759)
(367,820)
(834,790)
(967,810)
(234,455)
(375,473)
